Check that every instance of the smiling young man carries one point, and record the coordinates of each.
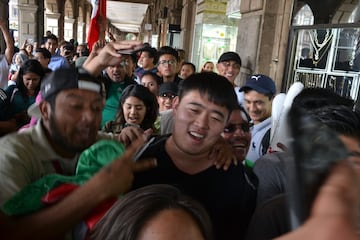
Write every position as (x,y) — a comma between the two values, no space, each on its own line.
(201,112)
(259,91)
(228,66)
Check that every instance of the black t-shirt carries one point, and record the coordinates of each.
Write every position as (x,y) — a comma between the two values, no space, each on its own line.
(270,220)
(229,196)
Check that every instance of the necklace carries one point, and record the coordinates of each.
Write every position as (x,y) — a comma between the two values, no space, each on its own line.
(319,46)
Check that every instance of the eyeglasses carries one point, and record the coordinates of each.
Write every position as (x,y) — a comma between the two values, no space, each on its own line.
(168,95)
(233,127)
(170,62)
(228,64)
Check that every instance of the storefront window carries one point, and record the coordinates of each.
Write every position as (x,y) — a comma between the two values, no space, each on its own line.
(326,57)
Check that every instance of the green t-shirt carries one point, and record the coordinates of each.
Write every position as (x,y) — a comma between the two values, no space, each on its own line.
(112,102)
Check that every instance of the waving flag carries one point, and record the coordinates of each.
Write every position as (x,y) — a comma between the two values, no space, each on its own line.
(97,22)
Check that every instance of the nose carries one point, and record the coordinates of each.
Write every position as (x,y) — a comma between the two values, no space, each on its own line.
(203,121)
(132,110)
(88,114)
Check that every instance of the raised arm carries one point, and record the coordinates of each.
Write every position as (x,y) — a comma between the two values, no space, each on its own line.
(9,41)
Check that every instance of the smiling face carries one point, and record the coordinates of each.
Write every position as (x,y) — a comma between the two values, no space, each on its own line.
(209,67)
(74,121)
(257,105)
(229,69)
(198,123)
(134,110)
(166,101)
(237,133)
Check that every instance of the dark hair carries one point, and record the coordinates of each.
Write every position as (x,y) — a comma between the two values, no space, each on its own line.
(29,66)
(168,50)
(217,88)
(152,52)
(313,98)
(53,37)
(190,64)
(341,119)
(46,53)
(181,53)
(129,214)
(153,75)
(150,102)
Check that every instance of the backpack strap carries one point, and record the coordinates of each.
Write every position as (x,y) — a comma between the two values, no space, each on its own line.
(265,142)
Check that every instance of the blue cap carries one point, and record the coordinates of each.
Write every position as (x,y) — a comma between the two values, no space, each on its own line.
(260,83)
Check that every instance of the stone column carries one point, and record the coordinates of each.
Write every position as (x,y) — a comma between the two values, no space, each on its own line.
(187,25)
(263,36)
(27,21)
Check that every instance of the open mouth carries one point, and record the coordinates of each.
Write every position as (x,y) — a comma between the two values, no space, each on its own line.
(196,135)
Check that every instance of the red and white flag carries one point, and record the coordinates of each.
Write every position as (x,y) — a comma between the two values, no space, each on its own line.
(97,22)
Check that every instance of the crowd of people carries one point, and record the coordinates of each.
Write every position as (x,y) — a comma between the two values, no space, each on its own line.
(132,142)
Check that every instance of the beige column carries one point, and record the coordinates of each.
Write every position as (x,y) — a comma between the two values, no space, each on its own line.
(27,21)
(263,37)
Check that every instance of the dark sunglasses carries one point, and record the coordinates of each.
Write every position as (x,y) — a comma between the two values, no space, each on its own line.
(168,95)
(232,128)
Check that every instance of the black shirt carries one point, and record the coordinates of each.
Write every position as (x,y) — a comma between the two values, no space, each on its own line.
(229,196)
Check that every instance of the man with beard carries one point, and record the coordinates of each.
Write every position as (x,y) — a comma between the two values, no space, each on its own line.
(70,119)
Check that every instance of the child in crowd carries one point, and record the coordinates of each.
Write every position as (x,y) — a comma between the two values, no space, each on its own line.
(187,69)
(208,67)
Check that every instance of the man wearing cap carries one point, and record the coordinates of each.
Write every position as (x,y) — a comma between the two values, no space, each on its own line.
(70,119)
(228,66)
(259,91)
(167,93)
(71,115)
